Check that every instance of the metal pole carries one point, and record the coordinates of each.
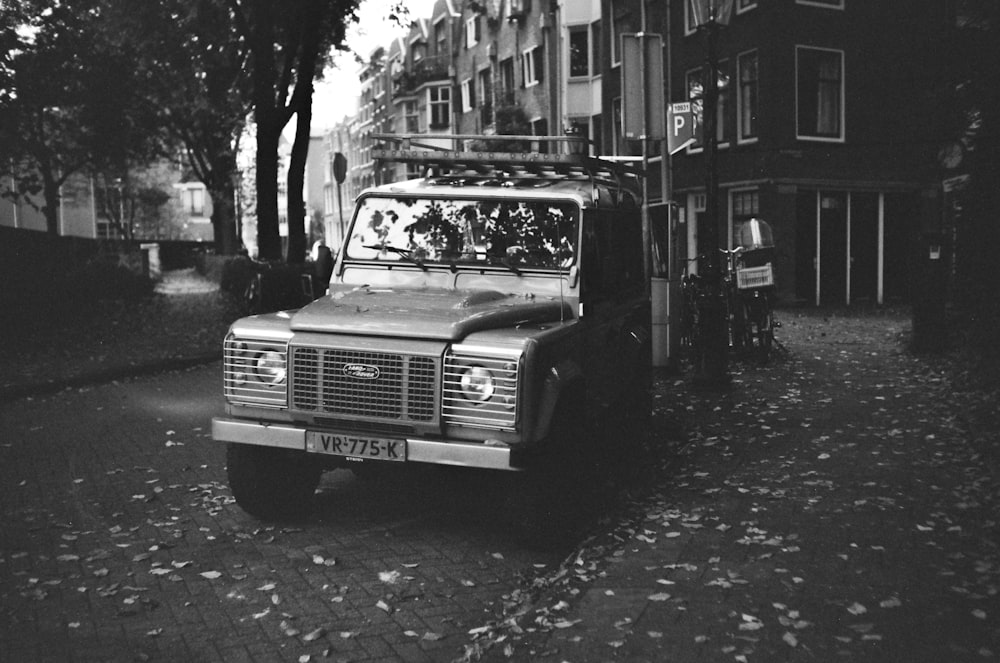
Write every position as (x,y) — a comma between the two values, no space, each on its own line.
(340,209)
(647,234)
(713,370)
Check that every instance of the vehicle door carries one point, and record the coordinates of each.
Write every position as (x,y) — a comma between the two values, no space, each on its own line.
(612,293)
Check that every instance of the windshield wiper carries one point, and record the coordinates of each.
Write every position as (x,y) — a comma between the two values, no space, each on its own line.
(406,253)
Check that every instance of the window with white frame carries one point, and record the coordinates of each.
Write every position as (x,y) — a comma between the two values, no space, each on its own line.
(696,95)
(532,66)
(439,104)
(472,31)
(579,50)
(746,97)
(468,95)
(819,93)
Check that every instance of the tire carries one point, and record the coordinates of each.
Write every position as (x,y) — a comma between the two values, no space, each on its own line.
(271,484)
(763,327)
(543,501)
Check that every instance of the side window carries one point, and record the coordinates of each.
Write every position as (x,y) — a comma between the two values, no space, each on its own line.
(611,257)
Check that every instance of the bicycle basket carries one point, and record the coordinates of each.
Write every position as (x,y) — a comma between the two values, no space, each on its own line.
(754,277)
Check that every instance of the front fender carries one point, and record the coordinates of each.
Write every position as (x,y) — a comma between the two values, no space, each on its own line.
(562,380)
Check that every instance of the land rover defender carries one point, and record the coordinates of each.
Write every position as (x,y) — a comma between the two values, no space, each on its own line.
(484,315)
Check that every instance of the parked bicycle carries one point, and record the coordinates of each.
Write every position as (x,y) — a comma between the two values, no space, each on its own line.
(747,290)
(754,281)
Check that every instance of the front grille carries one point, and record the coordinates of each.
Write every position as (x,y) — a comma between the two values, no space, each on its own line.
(363,384)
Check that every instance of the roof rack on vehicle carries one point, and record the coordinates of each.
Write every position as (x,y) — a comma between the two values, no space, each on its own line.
(542,157)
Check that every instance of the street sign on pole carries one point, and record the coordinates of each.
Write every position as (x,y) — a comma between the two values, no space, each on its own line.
(642,86)
(681,129)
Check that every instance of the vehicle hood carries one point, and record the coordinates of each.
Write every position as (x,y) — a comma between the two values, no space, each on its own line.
(432,313)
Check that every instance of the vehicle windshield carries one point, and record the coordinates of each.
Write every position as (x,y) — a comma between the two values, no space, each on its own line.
(516,234)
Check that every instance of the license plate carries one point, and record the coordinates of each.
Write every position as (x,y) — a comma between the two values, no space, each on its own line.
(353,446)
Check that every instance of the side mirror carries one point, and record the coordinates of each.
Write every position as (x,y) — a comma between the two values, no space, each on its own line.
(574,276)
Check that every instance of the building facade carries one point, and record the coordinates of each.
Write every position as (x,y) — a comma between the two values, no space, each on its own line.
(824,127)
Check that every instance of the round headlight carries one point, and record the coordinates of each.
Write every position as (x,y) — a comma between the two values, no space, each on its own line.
(477,384)
(270,367)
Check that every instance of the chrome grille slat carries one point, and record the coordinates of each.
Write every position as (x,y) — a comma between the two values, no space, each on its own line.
(404,389)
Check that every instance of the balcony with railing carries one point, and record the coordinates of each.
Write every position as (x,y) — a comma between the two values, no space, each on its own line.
(426,70)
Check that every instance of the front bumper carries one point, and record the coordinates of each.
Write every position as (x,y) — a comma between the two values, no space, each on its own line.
(418,450)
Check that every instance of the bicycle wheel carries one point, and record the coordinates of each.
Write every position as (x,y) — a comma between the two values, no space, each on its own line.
(762,332)
(736,320)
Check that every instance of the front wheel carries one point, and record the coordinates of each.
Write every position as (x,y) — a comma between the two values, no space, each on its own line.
(271,483)
(762,326)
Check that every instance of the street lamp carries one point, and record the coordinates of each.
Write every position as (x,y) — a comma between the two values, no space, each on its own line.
(711,370)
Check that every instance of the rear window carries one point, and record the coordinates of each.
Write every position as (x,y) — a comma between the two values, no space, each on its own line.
(527,234)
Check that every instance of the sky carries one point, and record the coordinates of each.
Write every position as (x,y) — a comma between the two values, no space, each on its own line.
(336,96)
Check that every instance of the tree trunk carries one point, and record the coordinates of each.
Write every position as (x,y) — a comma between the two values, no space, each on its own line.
(268,238)
(269,125)
(296,184)
(222,190)
(50,208)
(224,221)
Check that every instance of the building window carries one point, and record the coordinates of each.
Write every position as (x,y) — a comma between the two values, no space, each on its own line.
(618,138)
(418,51)
(620,25)
(485,89)
(746,204)
(696,95)
(745,5)
(819,94)
(468,95)
(689,27)
(507,84)
(441,38)
(746,101)
(472,31)
(830,4)
(194,201)
(533,66)
(411,117)
(579,50)
(439,101)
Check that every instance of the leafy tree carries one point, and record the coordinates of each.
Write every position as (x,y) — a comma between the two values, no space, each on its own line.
(67,100)
(193,69)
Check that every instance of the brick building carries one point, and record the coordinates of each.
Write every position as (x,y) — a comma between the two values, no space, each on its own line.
(825,122)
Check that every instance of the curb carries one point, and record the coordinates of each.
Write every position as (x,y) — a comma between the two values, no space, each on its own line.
(15,392)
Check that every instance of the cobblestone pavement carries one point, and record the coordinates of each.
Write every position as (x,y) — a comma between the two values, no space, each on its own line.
(840,503)
(121,542)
